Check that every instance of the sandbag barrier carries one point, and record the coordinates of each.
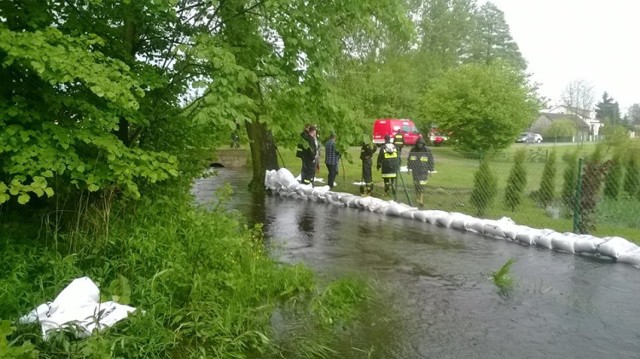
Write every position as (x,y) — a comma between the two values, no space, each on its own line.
(283,183)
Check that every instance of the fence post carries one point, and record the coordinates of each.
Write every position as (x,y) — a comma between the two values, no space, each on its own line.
(577,215)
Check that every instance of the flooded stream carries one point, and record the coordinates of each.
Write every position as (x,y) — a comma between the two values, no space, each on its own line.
(562,306)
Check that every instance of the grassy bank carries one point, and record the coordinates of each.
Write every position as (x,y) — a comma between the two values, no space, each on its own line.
(450,188)
(203,283)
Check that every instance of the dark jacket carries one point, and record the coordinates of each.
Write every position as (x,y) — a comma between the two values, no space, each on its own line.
(420,160)
(307,148)
(366,152)
(388,160)
(398,140)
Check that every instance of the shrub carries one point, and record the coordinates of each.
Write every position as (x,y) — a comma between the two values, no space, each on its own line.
(547,190)
(516,182)
(612,178)
(485,188)
(570,180)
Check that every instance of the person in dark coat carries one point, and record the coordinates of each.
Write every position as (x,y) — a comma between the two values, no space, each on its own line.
(388,163)
(331,159)
(366,155)
(420,163)
(307,151)
(398,141)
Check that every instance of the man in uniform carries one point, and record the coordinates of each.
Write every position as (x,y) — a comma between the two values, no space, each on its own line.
(366,155)
(388,162)
(420,163)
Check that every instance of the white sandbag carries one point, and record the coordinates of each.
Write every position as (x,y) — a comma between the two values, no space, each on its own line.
(332,198)
(394,209)
(77,308)
(433,215)
(475,225)
(305,190)
(409,213)
(493,229)
(378,205)
(526,235)
(444,220)
(459,220)
(614,246)
(285,178)
(586,243)
(509,227)
(292,187)
(543,238)
(353,202)
(632,256)
(270,179)
(421,215)
(564,242)
(345,198)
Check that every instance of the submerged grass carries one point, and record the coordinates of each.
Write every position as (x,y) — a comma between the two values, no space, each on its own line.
(202,280)
(502,277)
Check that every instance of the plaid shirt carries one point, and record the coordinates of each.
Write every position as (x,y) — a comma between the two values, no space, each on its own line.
(331,156)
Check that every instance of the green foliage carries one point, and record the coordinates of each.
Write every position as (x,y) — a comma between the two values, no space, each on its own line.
(502,277)
(9,350)
(561,128)
(570,177)
(593,174)
(516,182)
(485,106)
(547,191)
(485,188)
(204,281)
(608,110)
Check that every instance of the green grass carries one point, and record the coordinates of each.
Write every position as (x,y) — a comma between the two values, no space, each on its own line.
(450,188)
(202,280)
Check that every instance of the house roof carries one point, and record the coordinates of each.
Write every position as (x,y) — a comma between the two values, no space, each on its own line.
(580,123)
(585,114)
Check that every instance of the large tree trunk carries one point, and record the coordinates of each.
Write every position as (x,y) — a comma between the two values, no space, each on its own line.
(263,153)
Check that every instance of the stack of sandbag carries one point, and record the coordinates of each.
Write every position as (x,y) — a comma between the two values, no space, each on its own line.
(284,184)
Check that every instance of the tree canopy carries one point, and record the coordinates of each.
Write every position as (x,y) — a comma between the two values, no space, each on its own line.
(484,106)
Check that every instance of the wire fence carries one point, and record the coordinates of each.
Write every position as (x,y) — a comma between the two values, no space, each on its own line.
(539,186)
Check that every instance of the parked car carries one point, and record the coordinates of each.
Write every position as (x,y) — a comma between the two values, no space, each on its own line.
(437,138)
(529,137)
(390,126)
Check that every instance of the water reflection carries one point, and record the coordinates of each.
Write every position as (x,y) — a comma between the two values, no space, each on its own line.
(444,304)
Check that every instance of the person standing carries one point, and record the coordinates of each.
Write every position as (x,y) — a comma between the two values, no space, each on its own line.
(307,151)
(366,155)
(331,158)
(388,163)
(420,163)
(398,141)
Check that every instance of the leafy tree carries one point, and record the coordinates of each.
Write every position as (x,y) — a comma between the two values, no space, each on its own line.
(547,190)
(608,110)
(561,128)
(485,188)
(516,182)
(485,106)
(491,41)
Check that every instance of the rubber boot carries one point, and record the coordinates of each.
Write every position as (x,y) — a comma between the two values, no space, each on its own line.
(369,189)
(420,200)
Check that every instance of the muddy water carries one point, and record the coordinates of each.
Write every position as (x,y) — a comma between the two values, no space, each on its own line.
(444,305)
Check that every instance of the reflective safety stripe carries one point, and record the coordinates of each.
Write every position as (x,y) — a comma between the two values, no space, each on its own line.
(424,159)
(423,182)
(391,155)
(388,175)
(413,158)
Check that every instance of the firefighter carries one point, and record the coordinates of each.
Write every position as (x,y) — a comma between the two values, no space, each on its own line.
(398,141)
(420,163)
(388,161)
(366,155)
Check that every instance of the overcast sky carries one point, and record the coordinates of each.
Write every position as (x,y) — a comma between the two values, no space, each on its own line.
(564,40)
